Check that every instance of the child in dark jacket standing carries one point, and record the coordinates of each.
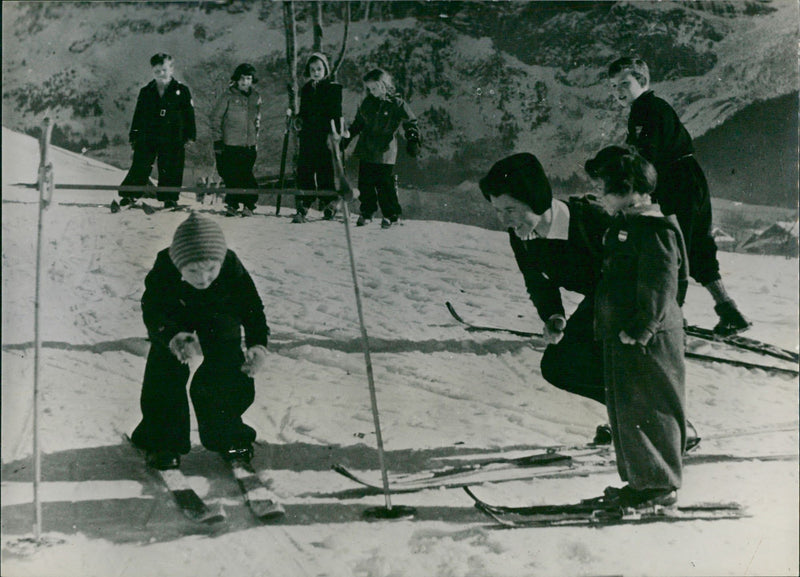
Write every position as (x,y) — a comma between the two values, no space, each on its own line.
(163,123)
(378,118)
(235,121)
(320,103)
(658,134)
(197,299)
(638,318)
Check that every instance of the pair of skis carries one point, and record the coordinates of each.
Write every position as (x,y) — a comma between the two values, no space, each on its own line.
(146,208)
(735,341)
(261,501)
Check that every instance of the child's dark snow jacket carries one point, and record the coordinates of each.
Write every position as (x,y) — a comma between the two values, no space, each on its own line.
(170,305)
(376,123)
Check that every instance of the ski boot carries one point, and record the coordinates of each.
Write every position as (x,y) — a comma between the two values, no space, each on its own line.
(163,460)
(731,321)
(239,453)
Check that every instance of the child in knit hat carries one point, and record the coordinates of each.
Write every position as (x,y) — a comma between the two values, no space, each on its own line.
(198,297)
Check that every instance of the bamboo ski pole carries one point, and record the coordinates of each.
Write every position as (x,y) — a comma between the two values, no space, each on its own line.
(347,193)
(45,195)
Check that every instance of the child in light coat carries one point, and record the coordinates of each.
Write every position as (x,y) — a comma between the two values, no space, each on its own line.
(235,121)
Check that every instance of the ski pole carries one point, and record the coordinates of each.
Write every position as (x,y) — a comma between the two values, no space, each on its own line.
(347,193)
(282,175)
(45,196)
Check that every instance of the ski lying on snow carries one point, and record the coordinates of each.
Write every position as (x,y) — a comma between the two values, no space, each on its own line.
(743,343)
(189,502)
(566,463)
(597,511)
(259,498)
(490,471)
(738,363)
(146,208)
(740,342)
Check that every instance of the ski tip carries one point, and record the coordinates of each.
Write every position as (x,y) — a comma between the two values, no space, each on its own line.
(213,517)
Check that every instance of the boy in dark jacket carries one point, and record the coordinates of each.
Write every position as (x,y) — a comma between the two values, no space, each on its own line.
(320,103)
(197,299)
(638,318)
(163,122)
(659,136)
(379,117)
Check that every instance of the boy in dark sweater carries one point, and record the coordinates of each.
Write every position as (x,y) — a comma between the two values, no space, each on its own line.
(657,133)
(198,297)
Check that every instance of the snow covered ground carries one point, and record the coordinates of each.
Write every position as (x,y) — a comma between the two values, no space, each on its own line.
(440,390)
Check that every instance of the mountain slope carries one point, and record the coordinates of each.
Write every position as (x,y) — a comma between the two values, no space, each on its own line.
(485,78)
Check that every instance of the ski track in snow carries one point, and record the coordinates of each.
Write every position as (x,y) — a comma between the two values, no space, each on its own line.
(439,388)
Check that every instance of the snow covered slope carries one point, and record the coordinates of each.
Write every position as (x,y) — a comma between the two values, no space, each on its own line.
(440,389)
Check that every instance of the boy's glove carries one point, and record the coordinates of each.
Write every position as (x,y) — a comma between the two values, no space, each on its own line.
(554,329)
(185,347)
(255,358)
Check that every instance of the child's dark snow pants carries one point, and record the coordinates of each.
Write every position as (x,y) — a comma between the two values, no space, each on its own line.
(314,170)
(378,187)
(645,399)
(237,172)
(220,394)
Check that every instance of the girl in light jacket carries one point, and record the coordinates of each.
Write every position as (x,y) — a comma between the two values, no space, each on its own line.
(235,121)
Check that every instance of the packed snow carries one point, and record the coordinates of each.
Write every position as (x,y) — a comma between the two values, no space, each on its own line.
(441,391)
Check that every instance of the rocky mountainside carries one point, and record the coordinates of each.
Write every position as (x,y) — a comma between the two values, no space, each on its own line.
(486,78)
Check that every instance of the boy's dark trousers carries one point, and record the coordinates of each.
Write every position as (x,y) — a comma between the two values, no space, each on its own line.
(237,172)
(682,190)
(314,170)
(378,186)
(170,156)
(220,394)
(575,363)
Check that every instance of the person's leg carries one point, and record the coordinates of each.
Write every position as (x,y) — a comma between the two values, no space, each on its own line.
(575,364)
(690,201)
(220,391)
(165,407)
(139,174)
(326,182)
(248,178)
(387,193)
(171,157)
(368,175)
(646,401)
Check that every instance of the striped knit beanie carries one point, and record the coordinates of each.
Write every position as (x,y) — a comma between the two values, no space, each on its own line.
(196,239)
